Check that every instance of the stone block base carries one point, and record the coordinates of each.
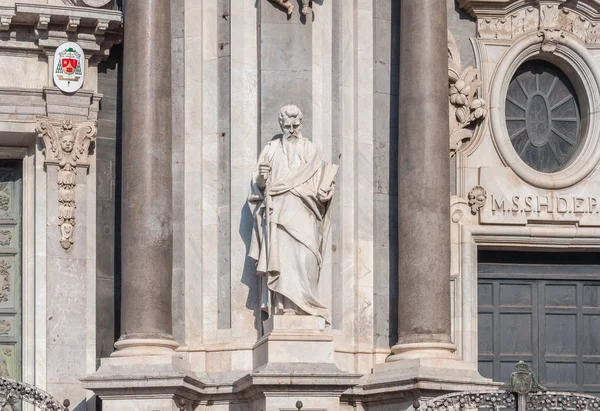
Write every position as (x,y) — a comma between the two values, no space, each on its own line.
(144,383)
(294,339)
(278,386)
(433,375)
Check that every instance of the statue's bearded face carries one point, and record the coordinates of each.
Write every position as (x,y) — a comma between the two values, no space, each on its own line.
(67,142)
(291,127)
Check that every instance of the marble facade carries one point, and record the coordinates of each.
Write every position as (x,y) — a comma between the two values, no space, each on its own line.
(58,281)
(416,196)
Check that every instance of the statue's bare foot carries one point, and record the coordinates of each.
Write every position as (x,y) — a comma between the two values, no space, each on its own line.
(289,5)
(289,311)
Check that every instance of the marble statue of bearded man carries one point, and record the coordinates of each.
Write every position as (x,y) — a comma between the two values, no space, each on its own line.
(295,183)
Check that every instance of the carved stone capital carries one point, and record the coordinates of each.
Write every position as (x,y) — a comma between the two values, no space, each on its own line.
(66,145)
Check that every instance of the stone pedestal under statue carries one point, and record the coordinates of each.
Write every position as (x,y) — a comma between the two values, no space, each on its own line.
(294,339)
(294,361)
(145,383)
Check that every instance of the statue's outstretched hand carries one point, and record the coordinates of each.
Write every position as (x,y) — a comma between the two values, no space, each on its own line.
(325,196)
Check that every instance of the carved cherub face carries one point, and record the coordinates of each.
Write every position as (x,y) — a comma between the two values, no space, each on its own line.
(67,142)
(290,120)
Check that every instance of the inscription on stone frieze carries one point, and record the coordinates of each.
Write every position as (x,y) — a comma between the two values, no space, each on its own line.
(512,201)
(535,204)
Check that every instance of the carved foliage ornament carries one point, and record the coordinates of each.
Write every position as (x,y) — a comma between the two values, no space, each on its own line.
(289,6)
(466,110)
(66,145)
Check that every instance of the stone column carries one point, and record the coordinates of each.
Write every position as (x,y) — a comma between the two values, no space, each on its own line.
(424,184)
(147,233)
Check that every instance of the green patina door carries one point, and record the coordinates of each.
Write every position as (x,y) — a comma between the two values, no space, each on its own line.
(10,268)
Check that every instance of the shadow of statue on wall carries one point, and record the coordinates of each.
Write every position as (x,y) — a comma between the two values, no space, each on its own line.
(249,277)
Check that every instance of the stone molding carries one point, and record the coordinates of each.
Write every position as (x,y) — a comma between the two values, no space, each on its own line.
(567,52)
(508,20)
(95,30)
(66,144)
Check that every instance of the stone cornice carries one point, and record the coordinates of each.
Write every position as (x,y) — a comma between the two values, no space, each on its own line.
(96,30)
(63,13)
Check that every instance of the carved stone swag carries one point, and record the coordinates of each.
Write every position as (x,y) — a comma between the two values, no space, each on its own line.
(66,144)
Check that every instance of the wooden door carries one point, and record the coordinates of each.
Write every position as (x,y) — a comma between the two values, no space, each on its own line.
(543,309)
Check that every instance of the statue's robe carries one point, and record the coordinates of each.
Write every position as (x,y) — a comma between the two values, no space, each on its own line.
(298,228)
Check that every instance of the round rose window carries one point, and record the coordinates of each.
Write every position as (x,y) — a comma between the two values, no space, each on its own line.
(542,116)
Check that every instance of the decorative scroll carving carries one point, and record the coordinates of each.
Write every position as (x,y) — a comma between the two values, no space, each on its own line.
(5,327)
(466,111)
(477,197)
(5,238)
(469,400)
(13,392)
(4,280)
(552,38)
(66,145)
(524,394)
(306,6)
(534,17)
(561,401)
(4,202)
